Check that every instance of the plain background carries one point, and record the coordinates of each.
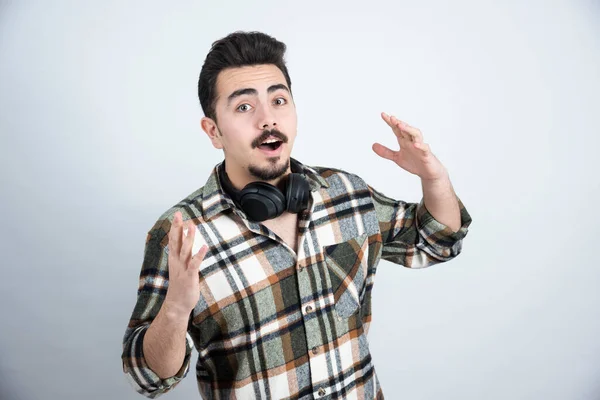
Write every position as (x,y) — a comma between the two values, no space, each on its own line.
(100,135)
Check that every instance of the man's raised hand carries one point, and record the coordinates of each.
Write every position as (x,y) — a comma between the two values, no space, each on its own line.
(183,292)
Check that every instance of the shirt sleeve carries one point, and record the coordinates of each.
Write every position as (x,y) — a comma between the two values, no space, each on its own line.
(151,292)
(412,237)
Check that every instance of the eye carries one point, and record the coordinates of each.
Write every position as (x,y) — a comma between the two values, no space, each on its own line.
(280,101)
(244,107)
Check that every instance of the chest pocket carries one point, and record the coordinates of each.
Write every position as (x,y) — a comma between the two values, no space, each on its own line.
(347,265)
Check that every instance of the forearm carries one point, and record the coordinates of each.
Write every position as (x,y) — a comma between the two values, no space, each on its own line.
(165,341)
(441,201)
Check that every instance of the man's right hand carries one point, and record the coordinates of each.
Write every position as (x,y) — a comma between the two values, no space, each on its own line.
(183,292)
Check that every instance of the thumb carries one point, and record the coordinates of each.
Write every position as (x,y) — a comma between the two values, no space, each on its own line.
(384,152)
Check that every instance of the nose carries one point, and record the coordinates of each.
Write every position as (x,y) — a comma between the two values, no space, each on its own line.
(266,118)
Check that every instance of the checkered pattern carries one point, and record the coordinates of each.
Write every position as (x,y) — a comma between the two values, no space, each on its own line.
(273,324)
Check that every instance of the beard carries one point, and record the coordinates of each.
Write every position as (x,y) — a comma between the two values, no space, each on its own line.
(273,170)
(270,172)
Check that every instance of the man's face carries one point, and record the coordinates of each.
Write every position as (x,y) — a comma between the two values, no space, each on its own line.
(256,122)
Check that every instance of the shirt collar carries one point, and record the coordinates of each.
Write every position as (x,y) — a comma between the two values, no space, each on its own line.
(216,201)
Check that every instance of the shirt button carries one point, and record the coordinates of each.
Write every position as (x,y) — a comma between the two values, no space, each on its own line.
(301,269)
(322,392)
(308,309)
(315,350)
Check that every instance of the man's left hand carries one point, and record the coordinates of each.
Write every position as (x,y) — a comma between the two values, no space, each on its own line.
(413,156)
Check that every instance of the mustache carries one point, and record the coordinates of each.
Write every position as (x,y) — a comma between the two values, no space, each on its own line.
(267,134)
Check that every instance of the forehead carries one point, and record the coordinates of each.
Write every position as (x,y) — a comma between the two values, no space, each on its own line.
(258,77)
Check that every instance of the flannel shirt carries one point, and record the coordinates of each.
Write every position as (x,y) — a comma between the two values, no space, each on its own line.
(273,324)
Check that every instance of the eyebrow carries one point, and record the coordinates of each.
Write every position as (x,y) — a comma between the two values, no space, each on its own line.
(254,92)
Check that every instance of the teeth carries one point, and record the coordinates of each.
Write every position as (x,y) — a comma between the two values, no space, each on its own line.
(271,141)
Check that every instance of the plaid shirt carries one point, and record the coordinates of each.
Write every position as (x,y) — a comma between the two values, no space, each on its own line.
(273,324)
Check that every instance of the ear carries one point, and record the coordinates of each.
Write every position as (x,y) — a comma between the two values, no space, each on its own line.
(212,130)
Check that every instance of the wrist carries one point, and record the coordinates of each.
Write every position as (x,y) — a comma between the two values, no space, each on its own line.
(174,311)
(442,179)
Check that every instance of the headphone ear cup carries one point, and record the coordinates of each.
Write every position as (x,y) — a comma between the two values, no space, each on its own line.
(261,201)
(297,191)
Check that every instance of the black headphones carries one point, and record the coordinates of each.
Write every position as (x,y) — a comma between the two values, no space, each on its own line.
(261,201)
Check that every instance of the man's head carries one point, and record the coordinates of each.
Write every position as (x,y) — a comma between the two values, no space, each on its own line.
(245,92)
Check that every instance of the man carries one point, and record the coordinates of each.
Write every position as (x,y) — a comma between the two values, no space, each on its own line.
(267,269)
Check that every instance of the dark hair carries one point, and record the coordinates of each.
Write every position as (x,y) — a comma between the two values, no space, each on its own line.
(237,49)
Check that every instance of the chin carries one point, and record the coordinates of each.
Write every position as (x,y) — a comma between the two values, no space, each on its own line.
(272,168)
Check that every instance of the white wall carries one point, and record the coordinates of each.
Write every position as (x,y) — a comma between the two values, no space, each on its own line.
(100,134)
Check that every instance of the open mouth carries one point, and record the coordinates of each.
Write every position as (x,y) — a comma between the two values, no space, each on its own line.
(270,144)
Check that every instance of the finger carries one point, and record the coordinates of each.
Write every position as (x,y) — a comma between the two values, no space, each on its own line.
(391,121)
(405,130)
(424,147)
(386,118)
(415,134)
(198,257)
(175,234)
(407,134)
(188,242)
(384,152)
(397,128)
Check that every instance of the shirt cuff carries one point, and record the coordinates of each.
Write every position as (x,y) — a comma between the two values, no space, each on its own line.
(143,379)
(439,235)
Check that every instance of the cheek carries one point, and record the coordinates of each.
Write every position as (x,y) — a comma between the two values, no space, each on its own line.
(290,121)
(236,137)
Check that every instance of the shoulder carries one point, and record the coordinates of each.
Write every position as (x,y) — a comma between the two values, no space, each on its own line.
(190,208)
(337,176)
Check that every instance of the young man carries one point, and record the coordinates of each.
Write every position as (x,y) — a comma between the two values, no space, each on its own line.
(267,269)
